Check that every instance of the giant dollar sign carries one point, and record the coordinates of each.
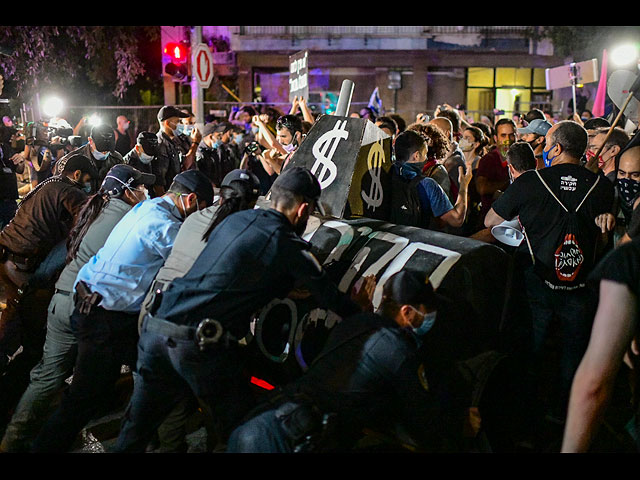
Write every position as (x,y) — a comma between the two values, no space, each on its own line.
(374,162)
(323,151)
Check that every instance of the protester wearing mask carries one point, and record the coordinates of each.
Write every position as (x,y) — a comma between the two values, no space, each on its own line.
(110,289)
(281,146)
(213,157)
(43,219)
(101,152)
(435,209)
(143,154)
(534,134)
(122,188)
(628,187)
(472,143)
(606,161)
(366,377)
(169,158)
(123,135)
(492,176)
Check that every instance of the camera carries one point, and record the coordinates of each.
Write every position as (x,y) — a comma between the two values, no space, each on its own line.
(40,134)
(252,148)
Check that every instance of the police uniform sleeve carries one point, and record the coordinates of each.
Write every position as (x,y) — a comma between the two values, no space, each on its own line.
(307,270)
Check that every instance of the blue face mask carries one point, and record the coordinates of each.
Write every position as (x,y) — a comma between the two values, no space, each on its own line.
(545,156)
(428,320)
(179,129)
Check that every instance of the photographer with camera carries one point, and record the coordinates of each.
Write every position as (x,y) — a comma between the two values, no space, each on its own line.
(254,162)
(11,162)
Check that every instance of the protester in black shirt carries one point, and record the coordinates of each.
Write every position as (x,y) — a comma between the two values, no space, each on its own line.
(557,207)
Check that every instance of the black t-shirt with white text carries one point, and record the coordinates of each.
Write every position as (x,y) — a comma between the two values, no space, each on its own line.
(544,220)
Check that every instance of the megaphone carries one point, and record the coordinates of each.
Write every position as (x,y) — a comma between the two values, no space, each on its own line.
(508,232)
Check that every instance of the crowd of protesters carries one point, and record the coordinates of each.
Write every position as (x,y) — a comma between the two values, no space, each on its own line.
(151,253)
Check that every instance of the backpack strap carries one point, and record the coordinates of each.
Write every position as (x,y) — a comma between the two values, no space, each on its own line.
(558,200)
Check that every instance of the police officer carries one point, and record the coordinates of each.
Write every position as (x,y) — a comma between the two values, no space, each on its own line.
(42,220)
(100,150)
(252,257)
(109,290)
(169,158)
(214,156)
(367,375)
(143,154)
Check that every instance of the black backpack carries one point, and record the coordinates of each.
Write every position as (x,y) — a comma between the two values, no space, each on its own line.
(405,202)
(565,261)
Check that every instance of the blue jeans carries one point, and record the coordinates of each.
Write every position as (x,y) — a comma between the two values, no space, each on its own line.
(171,366)
(261,434)
(574,310)
(47,377)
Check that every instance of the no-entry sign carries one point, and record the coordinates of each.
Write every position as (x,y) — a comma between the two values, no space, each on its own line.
(203,65)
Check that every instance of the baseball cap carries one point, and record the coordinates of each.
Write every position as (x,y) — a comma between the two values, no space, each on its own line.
(208,129)
(301,181)
(169,111)
(122,176)
(224,127)
(241,175)
(198,183)
(82,163)
(537,126)
(149,142)
(103,138)
(409,288)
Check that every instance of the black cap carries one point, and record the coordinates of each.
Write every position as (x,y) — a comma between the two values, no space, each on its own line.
(409,288)
(209,128)
(241,175)
(80,162)
(104,138)
(122,176)
(224,127)
(169,111)
(301,181)
(198,183)
(149,142)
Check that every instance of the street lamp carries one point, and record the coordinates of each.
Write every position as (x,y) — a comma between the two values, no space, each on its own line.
(624,55)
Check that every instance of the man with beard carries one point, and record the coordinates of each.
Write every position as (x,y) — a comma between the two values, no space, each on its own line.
(190,338)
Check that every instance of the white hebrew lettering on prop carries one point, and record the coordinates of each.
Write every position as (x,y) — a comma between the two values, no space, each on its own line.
(401,259)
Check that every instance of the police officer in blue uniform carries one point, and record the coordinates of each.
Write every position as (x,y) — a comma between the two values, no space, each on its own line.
(109,290)
(190,341)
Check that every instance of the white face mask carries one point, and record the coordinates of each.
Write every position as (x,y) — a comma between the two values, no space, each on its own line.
(99,155)
(465,145)
(146,159)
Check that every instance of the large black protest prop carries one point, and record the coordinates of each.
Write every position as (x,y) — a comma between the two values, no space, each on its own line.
(471,274)
(351,157)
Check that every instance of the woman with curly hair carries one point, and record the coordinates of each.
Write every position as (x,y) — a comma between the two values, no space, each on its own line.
(438,148)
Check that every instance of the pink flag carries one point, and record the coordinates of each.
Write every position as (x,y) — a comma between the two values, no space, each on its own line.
(601,93)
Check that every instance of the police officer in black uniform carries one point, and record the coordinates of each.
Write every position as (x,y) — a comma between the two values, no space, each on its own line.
(369,374)
(190,339)
(143,154)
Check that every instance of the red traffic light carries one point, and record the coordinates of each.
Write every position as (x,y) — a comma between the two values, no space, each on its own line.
(178,52)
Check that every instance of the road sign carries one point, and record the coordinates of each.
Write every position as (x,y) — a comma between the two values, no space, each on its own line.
(203,65)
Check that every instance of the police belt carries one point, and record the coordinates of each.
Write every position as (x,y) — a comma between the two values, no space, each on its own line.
(208,333)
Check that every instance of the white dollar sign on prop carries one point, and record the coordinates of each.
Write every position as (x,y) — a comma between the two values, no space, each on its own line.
(374,162)
(323,151)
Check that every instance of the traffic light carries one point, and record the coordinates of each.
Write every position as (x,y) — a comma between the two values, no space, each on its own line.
(177,54)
